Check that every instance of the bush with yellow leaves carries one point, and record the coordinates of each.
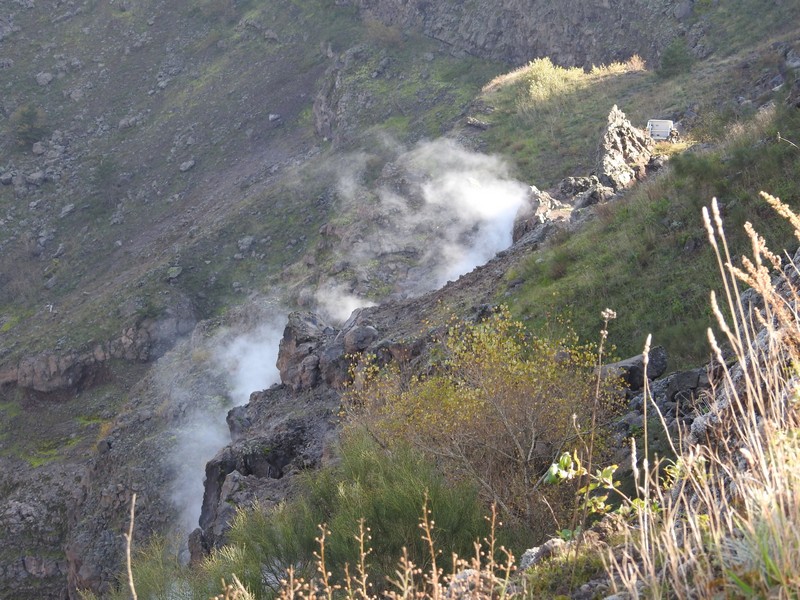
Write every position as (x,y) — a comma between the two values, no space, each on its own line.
(495,408)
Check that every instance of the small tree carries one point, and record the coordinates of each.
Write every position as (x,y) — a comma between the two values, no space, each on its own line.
(28,124)
(676,59)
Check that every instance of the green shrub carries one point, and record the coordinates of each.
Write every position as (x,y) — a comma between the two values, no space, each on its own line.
(494,411)
(28,124)
(676,59)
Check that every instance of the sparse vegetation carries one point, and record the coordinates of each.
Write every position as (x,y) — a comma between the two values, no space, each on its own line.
(655,227)
(207,89)
(721,526)
(28,124)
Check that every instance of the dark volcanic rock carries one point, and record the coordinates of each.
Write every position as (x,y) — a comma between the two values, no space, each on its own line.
(232,475)
(297,363)
(279,433)
(631,370)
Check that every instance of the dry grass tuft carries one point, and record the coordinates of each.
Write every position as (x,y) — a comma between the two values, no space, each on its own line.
(482,576)
(725,527)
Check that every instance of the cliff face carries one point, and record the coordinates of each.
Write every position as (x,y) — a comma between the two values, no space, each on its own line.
(571,32)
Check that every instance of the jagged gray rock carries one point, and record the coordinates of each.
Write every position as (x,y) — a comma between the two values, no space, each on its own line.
(624,152)
(539,217)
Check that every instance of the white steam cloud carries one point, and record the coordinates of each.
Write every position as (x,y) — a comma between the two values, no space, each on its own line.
(336,304)
(249,360)
(474,199)
(245,363)
(438,212)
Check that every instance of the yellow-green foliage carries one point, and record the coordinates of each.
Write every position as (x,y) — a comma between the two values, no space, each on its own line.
(546,80)
(496,409)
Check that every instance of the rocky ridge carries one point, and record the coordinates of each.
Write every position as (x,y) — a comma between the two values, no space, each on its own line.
(571,33)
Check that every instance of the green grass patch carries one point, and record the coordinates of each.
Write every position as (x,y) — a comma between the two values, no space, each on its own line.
(646,256)
(42,457)
(9,409)
(386,490)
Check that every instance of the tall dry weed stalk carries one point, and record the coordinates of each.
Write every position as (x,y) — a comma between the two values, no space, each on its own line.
(725,525)
(480,577)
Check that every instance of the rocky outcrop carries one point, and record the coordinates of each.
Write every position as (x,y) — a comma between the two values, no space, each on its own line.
(286,429)
(571,32)
(312,352)
(540,217)
(52,371)
(145,449)
(261,467)
(632,371)
(31,515)
(626,155)
(680,397)
(298,359)
(257,469)
(293,425)
(625,152)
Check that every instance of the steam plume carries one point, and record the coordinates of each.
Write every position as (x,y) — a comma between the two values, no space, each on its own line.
(244,362)
(437,212)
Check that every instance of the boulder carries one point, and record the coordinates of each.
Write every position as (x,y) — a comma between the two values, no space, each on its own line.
(251,471)
(36,178)
(533,556)
(471,583)
(624,152)
(631,370)
(359,338)
(198,547)
(572,186)
(595,194)
(684,10)
(244,244)
(539,216)
(44,78)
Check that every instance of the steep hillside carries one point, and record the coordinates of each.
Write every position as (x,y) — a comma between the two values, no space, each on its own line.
(571,33)
(176,174)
